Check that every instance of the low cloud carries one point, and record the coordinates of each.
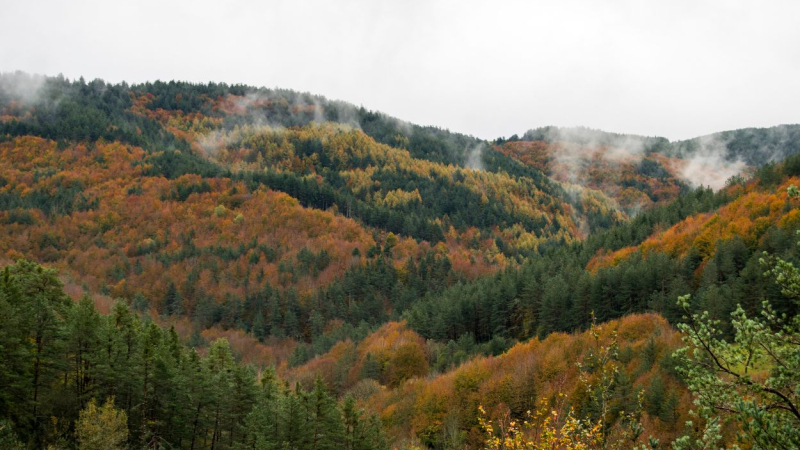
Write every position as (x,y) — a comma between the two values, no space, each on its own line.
(705,161)
(475,157)
(577,146)
(21,87)
(710,164)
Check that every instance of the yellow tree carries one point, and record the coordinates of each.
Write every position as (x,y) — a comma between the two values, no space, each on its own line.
(103,428)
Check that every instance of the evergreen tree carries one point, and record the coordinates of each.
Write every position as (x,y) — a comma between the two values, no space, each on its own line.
(325,428)
(220,369)
(34,297)
(83,342)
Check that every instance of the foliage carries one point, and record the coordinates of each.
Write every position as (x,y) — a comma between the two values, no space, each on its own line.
(420,271)
(442,411)
(634,181)
(103,428)
(543,430)
(59,357)
(752,379)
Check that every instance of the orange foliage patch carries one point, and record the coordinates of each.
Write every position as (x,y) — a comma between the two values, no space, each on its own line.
(748,217)
(132,219)
(518,379)
(612,171)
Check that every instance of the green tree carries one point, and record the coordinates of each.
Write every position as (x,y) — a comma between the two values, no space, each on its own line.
(220,366)
(292,417)
(37,307)
(371,367)
(362,431)
(150,342)
(8,439)
(326,430)
(83,344)
(753,380)
(262,424)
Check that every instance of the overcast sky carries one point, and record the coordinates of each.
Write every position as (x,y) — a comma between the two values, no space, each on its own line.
(671,68)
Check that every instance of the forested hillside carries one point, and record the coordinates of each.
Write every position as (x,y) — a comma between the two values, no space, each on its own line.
(59,357)
(705,243)
(224,267)
(635,181)
(638,171)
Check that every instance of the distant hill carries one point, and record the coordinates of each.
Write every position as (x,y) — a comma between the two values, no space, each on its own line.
(753,146)
(632,169)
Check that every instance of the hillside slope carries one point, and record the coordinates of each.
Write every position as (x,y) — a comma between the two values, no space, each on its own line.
(422,272)
(250,208)
(638,171)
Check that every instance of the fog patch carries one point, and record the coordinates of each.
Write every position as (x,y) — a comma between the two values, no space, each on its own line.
(405,127)
(475,157)
(21,87)
(212,142)
(319,113)
(215,141)
(709,165)
(618,145)
(704,161)
(348,115)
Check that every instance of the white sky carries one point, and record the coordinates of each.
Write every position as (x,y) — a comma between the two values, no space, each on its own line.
(671,68)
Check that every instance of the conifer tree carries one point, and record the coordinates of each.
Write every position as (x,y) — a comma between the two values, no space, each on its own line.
(325,430)
(83,342)
(34,299)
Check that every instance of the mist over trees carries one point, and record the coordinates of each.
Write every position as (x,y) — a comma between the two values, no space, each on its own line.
(214,266)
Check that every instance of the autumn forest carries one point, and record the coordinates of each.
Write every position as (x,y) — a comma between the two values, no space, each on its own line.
(214,266)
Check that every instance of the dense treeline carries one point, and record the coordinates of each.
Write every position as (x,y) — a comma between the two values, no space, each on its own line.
(391,189)
(212,249)
(510,211)
(59,357)
(715,257)
(755,146)
(182,116)
(391,178)
(57,108)
(64,110)
(360,297)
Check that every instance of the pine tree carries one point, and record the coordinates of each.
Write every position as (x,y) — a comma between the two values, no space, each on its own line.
(83,343)
(34,296)
(243,395)
(198,397)
(292,417)
(325,428)
(263,422)
(173,301)
(351,420)
(151,340)
(121,359)
(370,368)
(220,369)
